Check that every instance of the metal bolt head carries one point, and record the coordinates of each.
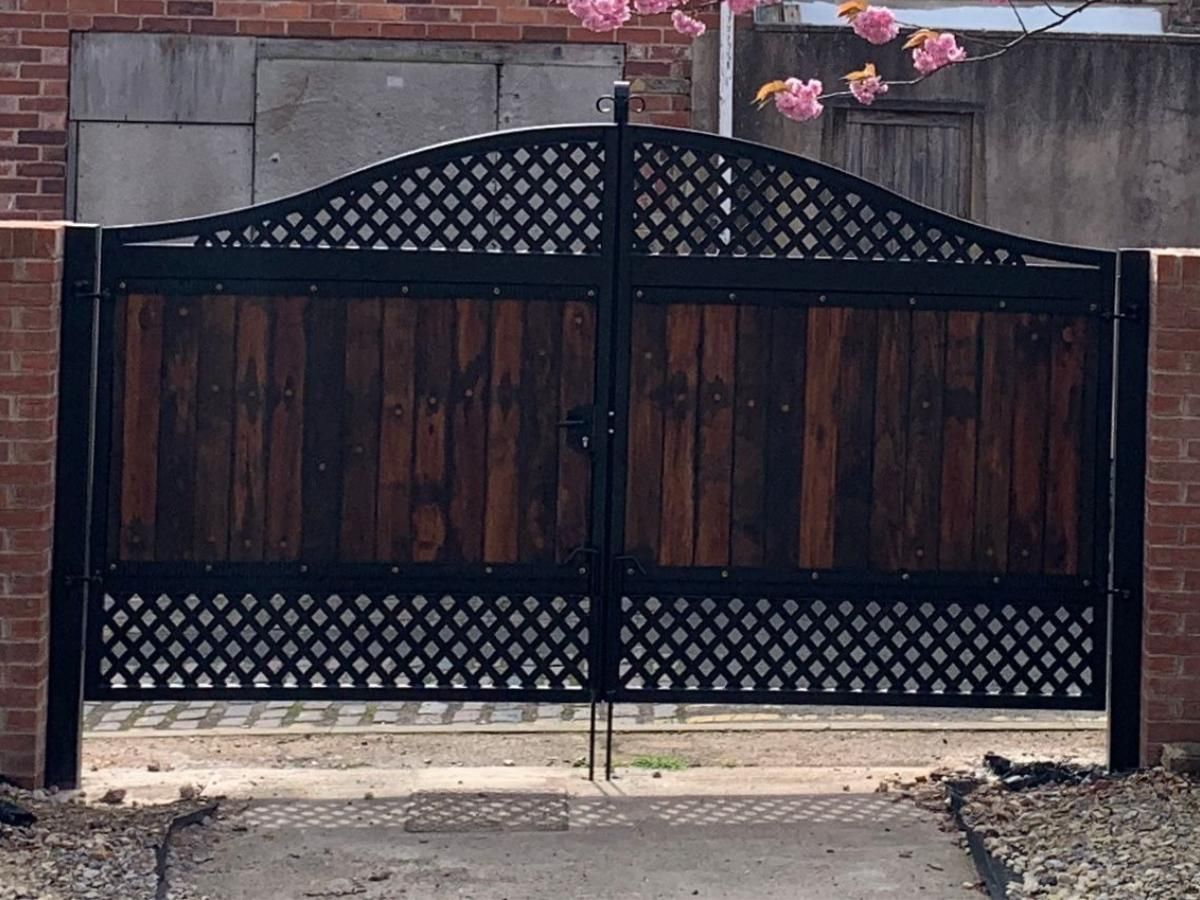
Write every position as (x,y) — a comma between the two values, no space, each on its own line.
(312,288)
(219,286)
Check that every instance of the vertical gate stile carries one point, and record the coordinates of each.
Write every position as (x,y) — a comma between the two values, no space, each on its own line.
(72,578)
(1132,320)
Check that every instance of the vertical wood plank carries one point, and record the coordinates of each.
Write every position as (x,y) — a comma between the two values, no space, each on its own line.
(177,487)
(993,472)
(285,430)
(577,390)
(468,431)
(750,435)
(714,471)
(960,409)
(818,488)
(1068,356)
(248,506)
(324,377)
(647,386)
(504,426)
(1031,398)
(785,436)
(923,472)
(677,523)
(434,363)
(360,470)
(397,415)
(141,406)
(214,426)
(855,426)
(891,440)
(538,456)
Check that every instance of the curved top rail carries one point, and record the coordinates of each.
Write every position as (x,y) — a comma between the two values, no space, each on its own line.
(536,190)
(702,194)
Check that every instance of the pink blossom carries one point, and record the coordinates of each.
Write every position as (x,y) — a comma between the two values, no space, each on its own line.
(688,25)
(600,15)
(876,24)
(655,7)
(737,7)
(937,52)
(867,89)
(799,101)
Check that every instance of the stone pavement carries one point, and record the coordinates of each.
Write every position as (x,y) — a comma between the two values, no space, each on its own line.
(308,715)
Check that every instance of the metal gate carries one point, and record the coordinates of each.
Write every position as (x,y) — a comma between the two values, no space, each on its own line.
(600,412)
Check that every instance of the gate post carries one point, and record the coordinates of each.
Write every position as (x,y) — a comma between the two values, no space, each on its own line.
(72,504)
(1132,321)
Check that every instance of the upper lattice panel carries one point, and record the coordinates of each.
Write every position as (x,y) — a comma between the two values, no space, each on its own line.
(538,192)
(696,195)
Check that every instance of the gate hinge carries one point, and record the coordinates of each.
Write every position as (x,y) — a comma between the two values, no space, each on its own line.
(1117,593)
(71,580)
(82,292)
(1132,312)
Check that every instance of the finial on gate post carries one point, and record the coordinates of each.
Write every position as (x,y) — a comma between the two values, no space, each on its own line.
(621,102)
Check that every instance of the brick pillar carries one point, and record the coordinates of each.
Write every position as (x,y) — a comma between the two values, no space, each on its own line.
(30,283)
(1171,625)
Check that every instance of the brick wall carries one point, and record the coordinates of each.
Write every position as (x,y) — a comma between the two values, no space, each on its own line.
(1171,632)
(35,36)
(30,275)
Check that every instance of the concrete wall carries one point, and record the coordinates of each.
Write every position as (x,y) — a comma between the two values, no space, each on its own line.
(1079,139)
(225,121)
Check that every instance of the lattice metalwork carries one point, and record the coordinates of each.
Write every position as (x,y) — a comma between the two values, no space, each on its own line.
(469,641)
(692,201)
(541,197)
(1035,650)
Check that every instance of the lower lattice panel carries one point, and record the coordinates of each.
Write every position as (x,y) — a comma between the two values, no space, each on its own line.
(1044,650)
(328,640)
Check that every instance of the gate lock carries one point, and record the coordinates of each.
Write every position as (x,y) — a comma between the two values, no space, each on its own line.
(578,425)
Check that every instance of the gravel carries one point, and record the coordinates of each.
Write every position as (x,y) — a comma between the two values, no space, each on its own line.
(1109,838)
(79,852)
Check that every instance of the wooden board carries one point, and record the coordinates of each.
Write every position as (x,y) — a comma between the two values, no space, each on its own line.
(140,424)
(248,502)
(285,430)
(214,426)
(500,529)
(890,444)
(993,472)
(677,518)
(714,469)
(394,505)
(1030,409)
(923,468)
(752,392)
(855,434)
(324,377)
(177,428)
(468,431)
(1068,340)
(539,435)
(360,415)
(647,386)
(960,425)
(434,352)
(785,437)
(576,392)
(822,401)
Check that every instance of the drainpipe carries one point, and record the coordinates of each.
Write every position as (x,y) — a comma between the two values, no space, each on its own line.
(725,73)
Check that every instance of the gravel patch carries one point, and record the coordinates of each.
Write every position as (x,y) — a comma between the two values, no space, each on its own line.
(79,852)
(1128,837)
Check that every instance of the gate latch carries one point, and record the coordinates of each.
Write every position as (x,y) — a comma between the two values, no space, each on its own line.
(578,425)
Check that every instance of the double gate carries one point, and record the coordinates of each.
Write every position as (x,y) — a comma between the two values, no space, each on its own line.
(600,412)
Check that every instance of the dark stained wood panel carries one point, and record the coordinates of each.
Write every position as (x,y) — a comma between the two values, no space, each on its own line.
(360,413)
(177,427)
(504,425)
(1030,409)
(890,440)
(576,392)
(751,392)
(434,365)
(140,425)
(714,471)
(923,468)
(647,390)
(248,504)
(960,410)
(285,430)
(855,433)
(677,516)
(822,402)
(214,426)
(539,435)
(785,436)
(1068,340)
(993,473)
(324,377)
(394,506)
(468,431)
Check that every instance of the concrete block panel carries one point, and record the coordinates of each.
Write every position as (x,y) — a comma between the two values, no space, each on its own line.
(318,119)
(162,78)
(553,94)
(496,54)
(129,173)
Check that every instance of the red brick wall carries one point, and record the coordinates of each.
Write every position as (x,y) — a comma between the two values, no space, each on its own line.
(30,276)
(35,36)
(1171,632)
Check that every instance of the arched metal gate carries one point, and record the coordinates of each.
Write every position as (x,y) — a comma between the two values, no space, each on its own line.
(599,412)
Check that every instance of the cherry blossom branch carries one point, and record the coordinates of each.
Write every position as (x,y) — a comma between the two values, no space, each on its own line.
(1016,12)
(1000,51)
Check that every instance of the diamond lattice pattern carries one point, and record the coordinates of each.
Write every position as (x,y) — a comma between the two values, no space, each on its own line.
(869,646)
(343,640)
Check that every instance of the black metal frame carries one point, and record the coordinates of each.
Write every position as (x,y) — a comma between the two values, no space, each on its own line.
(660,215)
